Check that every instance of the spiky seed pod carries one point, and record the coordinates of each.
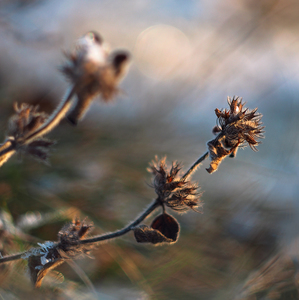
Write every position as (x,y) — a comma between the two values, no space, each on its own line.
(237,127)
(50,255)
(69,237)
(93,70)
(26,120)
(173,191)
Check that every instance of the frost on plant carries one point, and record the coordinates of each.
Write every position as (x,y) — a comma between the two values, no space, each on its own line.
(52,254)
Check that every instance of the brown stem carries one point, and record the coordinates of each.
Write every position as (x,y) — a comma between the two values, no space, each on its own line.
(6,151)
(9,147)
(149,210)
(193,168)
(99,238)
(126,229)
(55,118)
(11,257)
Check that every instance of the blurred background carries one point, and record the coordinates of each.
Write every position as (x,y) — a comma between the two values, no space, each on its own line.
(187,57)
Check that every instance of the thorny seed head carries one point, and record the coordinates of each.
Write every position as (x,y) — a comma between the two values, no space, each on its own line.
(237,127)
(93,70)
(173,191)
(50,255)
(26,120)
(70,235)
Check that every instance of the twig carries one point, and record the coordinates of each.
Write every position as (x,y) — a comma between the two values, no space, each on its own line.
(55,118)
(103,237)
(12,257)
(7,150)
(126,229)
(10,146)
(193,168)
(149,210)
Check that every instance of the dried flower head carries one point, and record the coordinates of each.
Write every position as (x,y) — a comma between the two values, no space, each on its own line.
(93,70)
(69,237)
(173,191)
(237,127)
(50,255)
(28,119)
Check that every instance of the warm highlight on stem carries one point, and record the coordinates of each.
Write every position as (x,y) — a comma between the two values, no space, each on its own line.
(55,118)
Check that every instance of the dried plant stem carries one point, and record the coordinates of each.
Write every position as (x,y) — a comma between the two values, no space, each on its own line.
(126,229)
(148,211)
(55,118)
(99,238)
(193,168)
(6,151)
(9,147)
(12,257)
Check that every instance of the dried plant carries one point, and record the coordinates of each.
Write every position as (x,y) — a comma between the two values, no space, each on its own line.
(172,190)
(93,70)
(237,127)
(52,254)
(21,125)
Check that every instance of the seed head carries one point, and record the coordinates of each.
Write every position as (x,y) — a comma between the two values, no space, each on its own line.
(26,120)
(237,127)
(52,254)
(173,191)
(69,237)
(93,70)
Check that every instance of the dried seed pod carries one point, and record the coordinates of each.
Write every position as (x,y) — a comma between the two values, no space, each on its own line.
(41,263)
(27,119)
(173,191)
(50,255)
(237,127)
(69,237)
(164,229)
(93,70)
(167,225)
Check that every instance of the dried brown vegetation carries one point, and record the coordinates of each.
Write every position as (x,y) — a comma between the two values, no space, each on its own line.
(237,127)
(92,70)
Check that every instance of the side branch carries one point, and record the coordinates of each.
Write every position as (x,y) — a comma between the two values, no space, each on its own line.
(12,257)
(122,231)
(55,118)
(28,126)
(6,151)
(126,229)
(193,168)
(99,238)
